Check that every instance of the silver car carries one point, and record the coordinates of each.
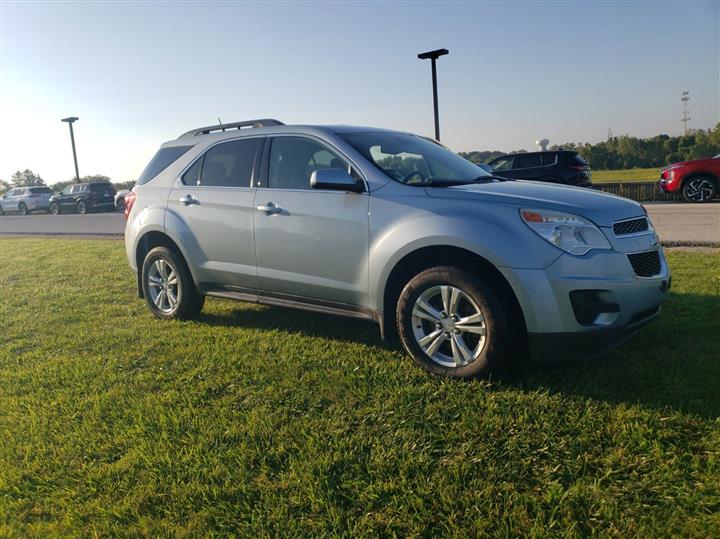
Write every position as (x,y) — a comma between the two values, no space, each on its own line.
(24,200)
(469,270)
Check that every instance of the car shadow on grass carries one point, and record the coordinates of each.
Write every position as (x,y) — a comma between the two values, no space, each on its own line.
(671,364)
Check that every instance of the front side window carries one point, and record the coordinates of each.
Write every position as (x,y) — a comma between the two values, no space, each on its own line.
(294,159)
(413,160)
(504,163)
(229,164)
(527,160)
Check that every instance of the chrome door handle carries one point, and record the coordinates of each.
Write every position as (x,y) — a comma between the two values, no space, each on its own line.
(188,200)
(269,208)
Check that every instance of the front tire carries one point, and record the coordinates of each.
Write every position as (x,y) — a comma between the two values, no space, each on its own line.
(452,324)
(81,208)
(54,208)
(168,286)
(22,209)
(699,189)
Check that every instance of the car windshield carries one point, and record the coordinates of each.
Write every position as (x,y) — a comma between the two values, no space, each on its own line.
(413,160)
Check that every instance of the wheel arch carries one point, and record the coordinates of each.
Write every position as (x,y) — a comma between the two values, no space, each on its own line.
(696,174)
(148,241)
(446,255)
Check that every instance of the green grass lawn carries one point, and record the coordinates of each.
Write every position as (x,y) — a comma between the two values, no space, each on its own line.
(630,175)
(259,422)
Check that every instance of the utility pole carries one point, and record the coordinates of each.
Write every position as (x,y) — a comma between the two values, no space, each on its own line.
(433,56)
(686,118)
(70,121)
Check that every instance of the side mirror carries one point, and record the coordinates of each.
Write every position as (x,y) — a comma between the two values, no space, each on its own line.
(335,179)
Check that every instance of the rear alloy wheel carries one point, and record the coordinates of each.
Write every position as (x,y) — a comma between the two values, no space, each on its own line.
(168,287)
(452,324)
(699,189)
(81,208)
(22,209)
(54,208)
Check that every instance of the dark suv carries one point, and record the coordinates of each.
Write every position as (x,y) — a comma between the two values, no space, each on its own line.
(84,197)
(562,166)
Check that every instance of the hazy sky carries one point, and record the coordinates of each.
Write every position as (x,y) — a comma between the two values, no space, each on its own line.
(138,74)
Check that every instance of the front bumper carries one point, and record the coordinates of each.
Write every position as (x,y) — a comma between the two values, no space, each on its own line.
(555,331)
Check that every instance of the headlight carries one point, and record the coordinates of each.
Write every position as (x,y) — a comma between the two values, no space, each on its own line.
(569,232)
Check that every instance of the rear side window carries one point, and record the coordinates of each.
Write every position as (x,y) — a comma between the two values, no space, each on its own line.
(529,160)
(100,187)
(40,190)
(229,164)
(162,159)
(549,159)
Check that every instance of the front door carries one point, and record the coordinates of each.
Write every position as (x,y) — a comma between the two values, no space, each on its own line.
(213,200)
(309,243)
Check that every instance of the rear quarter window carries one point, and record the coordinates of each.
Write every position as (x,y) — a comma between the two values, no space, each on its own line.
(40,190)
(162,159)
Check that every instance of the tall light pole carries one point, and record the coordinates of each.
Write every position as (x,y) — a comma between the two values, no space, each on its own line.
(70,121)
(433,56)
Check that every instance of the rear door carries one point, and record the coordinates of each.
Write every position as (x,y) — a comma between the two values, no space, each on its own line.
(527,166)
(310,243)
(213,199)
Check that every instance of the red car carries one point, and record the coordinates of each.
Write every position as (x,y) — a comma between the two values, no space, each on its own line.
(697,180)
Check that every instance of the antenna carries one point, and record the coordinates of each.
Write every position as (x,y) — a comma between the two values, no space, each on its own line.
(686,113)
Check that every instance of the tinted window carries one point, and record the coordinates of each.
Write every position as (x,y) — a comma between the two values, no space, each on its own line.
(100,187)
(230,164)
(192,175)
(294,159)
(504,163)
(40,190)
(527,160)
(162,159)
(549,159)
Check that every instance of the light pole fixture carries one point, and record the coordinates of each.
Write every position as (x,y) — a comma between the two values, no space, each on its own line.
(70,121)
(433,56)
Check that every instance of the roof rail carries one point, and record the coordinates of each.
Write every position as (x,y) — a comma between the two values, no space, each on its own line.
(265,122)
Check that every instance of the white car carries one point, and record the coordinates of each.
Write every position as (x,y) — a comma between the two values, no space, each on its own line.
(23,200)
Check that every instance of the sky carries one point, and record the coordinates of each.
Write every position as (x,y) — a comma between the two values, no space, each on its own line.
(140,73)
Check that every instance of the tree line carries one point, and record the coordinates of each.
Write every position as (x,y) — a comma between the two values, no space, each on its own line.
(625,152)
(27,178)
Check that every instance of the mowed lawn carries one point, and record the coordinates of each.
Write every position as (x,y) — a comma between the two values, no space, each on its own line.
(629,175)
(259,422)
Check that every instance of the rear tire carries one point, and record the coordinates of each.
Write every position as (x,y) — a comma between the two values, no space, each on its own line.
(699,189)
(452,324)
(22,209)
(121,206)
(168,287)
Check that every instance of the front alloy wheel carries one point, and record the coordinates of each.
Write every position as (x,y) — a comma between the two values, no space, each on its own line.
(54,208)
(699,189)
(452,324)
(22,209)
(81,208)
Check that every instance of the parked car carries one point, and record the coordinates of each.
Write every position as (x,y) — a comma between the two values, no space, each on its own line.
(562,166)
(84,197)
(696,180)
(387,226)
(120,200)
(24,200)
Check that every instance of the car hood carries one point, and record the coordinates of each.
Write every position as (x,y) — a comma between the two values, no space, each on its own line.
(601,208)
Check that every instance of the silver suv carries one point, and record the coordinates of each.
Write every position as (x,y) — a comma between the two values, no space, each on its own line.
(23,200)
(469,270)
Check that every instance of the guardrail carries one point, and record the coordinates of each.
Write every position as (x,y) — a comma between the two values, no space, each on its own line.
(639,191)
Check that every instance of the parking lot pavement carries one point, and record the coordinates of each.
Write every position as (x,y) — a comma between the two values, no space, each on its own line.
(90,224)
(686,223)
(676,223)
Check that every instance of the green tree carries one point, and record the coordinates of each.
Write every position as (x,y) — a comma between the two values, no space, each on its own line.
(4,186)
(26,178)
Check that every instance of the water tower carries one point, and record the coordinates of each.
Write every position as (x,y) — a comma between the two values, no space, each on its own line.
(543,142)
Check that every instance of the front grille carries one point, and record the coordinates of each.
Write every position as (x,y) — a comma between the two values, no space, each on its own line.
(645,264)
(631,226)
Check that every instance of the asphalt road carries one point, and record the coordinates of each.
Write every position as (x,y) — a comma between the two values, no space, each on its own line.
(676,223)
